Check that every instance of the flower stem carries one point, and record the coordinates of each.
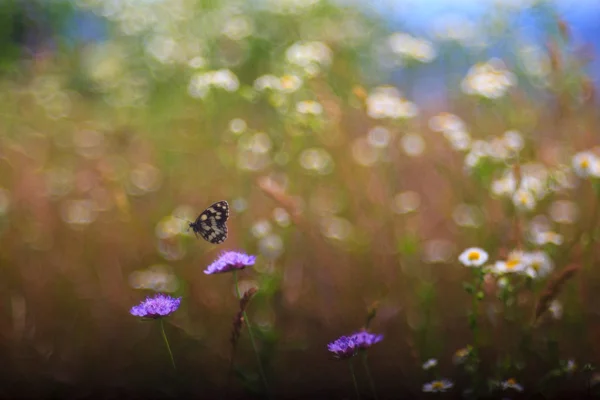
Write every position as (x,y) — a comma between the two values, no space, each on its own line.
(247,321)
(354,378)
(473,324)
(164,335)
(369,377)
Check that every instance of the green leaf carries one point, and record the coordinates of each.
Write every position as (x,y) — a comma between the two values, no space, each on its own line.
(408,245)
(469,288)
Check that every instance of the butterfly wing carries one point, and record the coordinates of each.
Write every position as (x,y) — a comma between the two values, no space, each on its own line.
(210,224)
(215,234)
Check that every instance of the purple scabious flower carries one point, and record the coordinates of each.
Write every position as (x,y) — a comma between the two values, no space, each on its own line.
(159,306)
(364,339)
(230,261)
(343,347)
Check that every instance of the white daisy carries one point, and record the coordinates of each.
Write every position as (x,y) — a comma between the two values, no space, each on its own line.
(513,141)
(505,186)
(534,185)
(542,238)
(537,264)
(410,47)
(309,107)
(524,200)
(511,384)
(267,82)
(586,164)
(432,362)
(289,83)
(459,140)
(386,102)
(513,264)
(473,257)
(556,309)
(446,122)
(491,80)
(460,355)
(438,386)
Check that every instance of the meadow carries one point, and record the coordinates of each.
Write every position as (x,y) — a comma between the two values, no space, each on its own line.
(435,193)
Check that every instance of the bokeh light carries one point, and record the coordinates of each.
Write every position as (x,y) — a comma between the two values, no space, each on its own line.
(426,171)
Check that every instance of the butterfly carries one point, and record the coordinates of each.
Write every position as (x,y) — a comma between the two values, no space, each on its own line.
(210,224)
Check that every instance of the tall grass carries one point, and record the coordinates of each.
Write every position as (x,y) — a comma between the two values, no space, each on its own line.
(351,193)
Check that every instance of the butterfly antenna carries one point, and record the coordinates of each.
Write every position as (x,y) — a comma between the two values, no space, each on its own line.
(184,219)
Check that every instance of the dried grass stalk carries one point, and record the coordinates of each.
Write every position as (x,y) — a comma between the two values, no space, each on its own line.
(371,314)
(238,320)
(277,193)
(553,289)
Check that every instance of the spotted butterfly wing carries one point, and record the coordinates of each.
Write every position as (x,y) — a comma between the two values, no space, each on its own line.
(210,224)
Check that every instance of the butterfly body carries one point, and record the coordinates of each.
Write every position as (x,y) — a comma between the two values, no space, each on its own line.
(210,224)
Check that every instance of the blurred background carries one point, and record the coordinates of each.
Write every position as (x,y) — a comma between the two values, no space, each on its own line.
(362,146)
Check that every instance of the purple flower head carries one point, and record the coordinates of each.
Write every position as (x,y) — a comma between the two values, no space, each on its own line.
(159,306)
(229,261)
(343,347)
(364,339)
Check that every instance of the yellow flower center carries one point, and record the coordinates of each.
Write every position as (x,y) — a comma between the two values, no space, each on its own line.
(461,353)
(523,198)
(287,82)
(585,163)
(437,385)
(510,264)
(536,266)
(473,256)
(359,92)
(511,382)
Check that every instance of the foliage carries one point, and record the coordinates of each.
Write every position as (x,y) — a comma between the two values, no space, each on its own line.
(356,184)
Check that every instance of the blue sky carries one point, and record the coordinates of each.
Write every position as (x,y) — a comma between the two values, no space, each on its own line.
(582,16)
(423,9)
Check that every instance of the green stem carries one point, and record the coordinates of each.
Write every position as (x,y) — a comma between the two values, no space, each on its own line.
(247,321)
(475,306)
(164,335)
(369,377)
(354,378)
(473,323)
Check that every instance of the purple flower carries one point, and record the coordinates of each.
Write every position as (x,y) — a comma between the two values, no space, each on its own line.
(343,347)
(159,306)
(229,261)
(364,339)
